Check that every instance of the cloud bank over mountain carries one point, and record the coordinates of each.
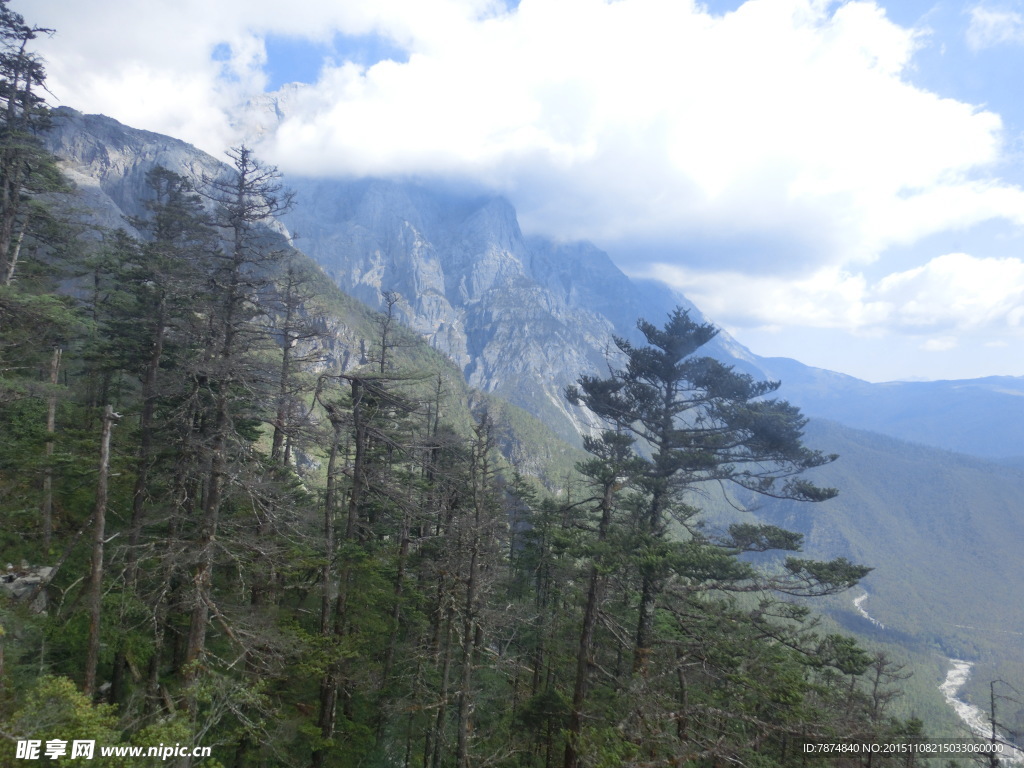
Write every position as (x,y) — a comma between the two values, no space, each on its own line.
(764,160)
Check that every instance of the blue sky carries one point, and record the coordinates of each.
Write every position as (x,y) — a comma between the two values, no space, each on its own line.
(294,59)
(840,182)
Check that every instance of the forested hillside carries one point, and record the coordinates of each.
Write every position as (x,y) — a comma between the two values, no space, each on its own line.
(300,562)
(944,531)
(243,513)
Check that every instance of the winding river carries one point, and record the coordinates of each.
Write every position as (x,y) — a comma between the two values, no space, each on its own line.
(858,603)
(974,717)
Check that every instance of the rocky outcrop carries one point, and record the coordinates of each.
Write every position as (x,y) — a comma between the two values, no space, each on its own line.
(522,317)
(26,582)
(108,163)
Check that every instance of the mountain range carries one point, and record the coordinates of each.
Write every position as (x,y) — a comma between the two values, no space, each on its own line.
(522,317)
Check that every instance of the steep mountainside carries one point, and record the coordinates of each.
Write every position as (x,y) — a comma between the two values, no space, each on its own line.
(108,162)
(941,529)
(462,272)
(524,316)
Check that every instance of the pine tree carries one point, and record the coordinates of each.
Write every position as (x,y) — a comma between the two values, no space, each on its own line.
(244,201)
(697,422)
(26,168)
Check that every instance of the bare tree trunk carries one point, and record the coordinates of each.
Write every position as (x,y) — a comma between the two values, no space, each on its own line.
(480,476)
(51,425)
(12,260)
(328,683)
(468,638)
(294,292)
(435,744)
(652,583)
(330,505)
(214,492)
(277,448)
(96,571)
(203,579)
(443,621)
(645,625)
(141,488)
(333,676)
(13,157)
(145,441)
(396,610)
(595,591)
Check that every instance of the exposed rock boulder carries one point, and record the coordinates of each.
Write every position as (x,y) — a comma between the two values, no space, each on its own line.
(21,583)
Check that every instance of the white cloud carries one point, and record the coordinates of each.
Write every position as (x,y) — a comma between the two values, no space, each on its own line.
(951,295)
(153,65)
(606,120)
(940,344)
(994,26)
(653,118)
(777,150)
(829,298)
(958,290)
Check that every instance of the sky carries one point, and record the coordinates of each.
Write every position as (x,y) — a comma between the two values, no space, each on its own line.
(837,182)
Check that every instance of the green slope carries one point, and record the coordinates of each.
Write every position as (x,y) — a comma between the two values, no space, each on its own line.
(943,532)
